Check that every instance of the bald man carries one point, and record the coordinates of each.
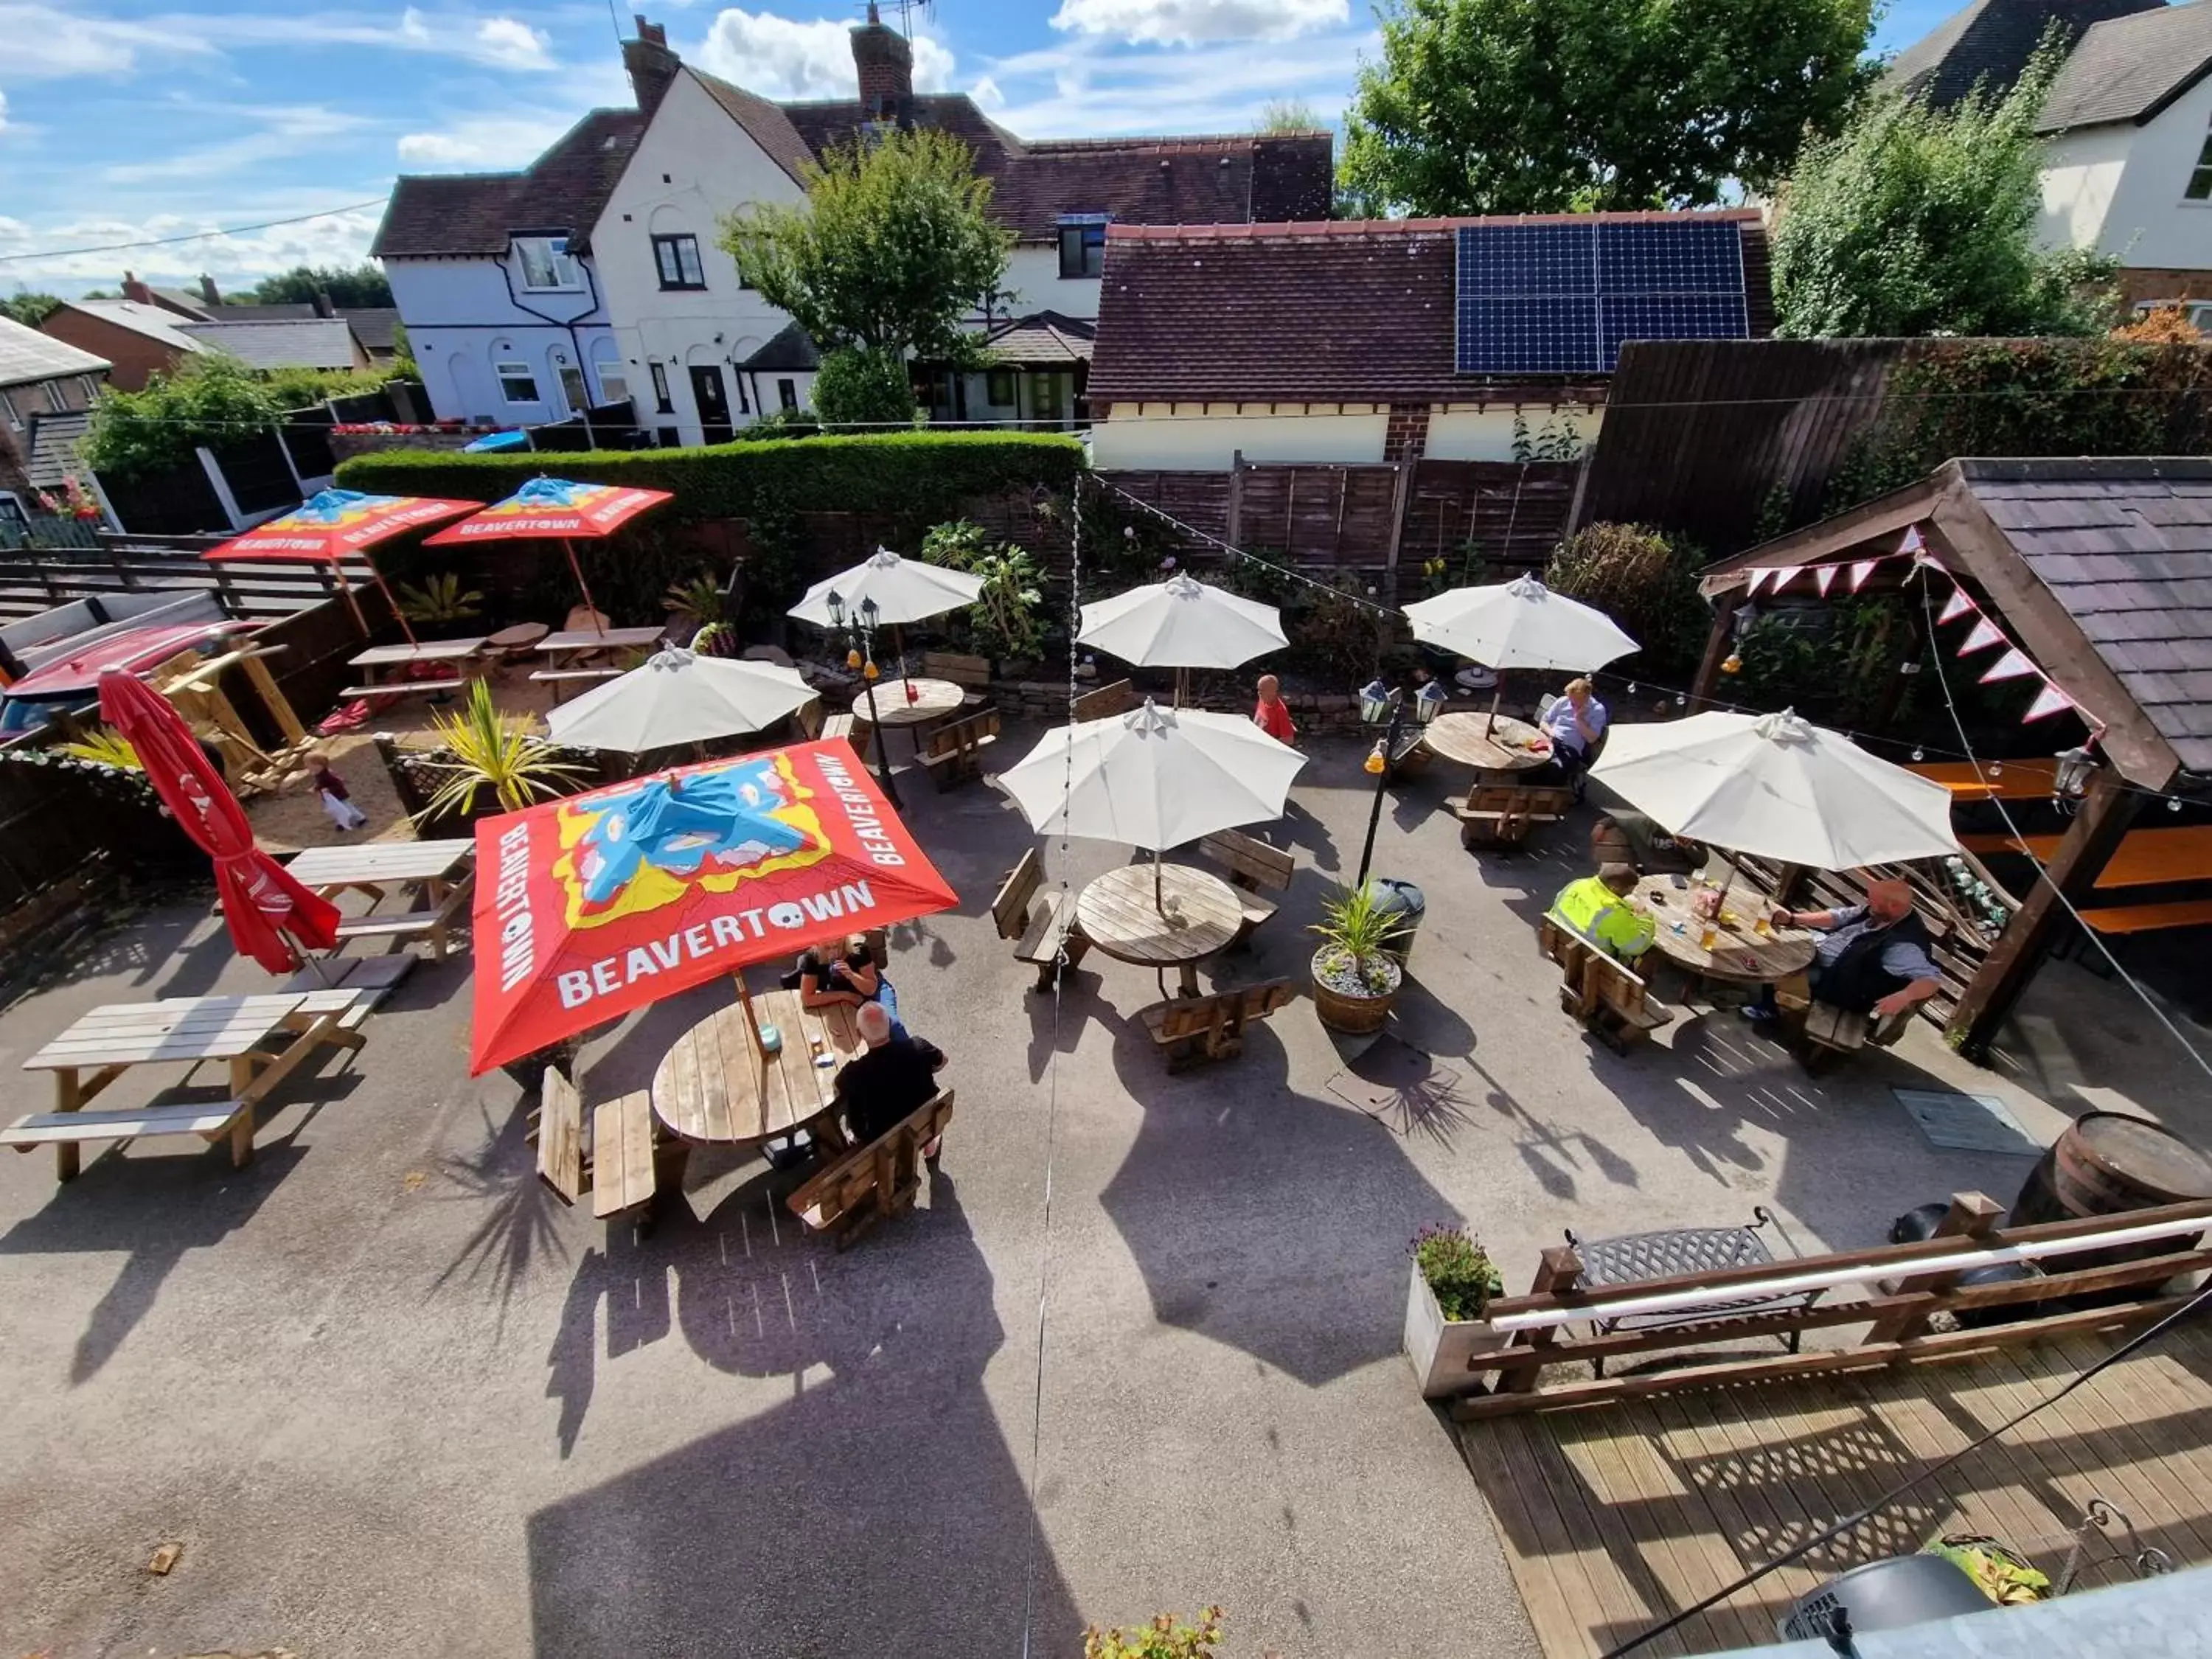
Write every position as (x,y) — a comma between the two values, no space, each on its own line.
(1873,959)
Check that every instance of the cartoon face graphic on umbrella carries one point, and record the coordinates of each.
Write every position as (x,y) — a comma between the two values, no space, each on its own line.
(646,847)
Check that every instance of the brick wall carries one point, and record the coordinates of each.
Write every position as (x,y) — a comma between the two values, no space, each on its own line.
(1406,436)
(2137,284)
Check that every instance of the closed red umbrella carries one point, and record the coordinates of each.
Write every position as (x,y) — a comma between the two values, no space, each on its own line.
(270,912)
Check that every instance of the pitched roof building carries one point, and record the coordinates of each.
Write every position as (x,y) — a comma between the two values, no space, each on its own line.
(309,342)
(1987,43)
(41,379)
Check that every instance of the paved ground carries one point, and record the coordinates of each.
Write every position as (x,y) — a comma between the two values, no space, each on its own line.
(392,1398)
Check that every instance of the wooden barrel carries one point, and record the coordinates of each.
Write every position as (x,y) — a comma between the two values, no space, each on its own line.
(2108,1163)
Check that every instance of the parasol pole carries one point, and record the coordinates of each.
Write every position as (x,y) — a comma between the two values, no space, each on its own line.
(1182,685)
(1159,900)
(575,570)
(1496,692)
(385,587)
(353,603)
(752,1020)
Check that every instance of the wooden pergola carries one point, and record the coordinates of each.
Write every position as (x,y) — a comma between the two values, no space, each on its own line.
(2100,572)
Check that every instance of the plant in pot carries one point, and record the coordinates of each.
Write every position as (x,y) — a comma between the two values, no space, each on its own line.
(1451,1287)
(480,751)
(1355,979)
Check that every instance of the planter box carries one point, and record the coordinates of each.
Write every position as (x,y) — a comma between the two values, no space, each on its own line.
(1439,1348)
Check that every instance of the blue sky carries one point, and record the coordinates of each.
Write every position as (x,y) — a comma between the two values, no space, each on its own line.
(123,121)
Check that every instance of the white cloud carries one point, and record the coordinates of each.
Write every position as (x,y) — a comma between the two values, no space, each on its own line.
(1085,89)
(782,57)
(1191,23)
(482,142)
(987,94)
(236,261)
(287,131)
(45,42)
(512,45)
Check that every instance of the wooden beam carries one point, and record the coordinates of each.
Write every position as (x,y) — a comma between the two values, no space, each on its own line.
(1558,1272)
(1971,1215)
(1402,504)
(1235,533)
(1720,640)
(1822,542)
(2091,840)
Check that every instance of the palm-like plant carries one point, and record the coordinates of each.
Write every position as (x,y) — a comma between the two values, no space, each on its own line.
(104,746)
(439,600)
(698,597)
(491,751)
(1354,931)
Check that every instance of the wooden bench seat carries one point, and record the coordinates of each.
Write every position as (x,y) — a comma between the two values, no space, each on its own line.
(953,752)
(618,1162)
(874,1182)
(210,1122)
(405,688)
(1251,865)
(971,674)
(837,726)
(1042,926)
(437,926)
(1502,814)
(2123,918)
(1104,701)
(1195,1029)
(1619,1006)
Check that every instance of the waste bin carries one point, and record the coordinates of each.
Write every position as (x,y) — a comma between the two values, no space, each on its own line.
(1402,901)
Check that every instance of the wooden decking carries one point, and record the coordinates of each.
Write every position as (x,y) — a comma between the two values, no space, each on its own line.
(1615,1518)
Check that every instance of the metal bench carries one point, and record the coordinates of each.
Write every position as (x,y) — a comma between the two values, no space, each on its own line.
(1635,1258)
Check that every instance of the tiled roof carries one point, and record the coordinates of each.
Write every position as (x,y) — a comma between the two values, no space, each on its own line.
(1989,42)
(191,307)
(26,354)
(1042,339)
(50,456)
(1317,312)
(477,213)
(791,349)
(372,325)
(152,321)
(284,343)
(826,123)
(2125,546)
(2129,68)
(252,312)
(767,123)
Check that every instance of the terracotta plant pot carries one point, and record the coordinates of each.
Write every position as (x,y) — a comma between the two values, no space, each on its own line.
(1352,1012)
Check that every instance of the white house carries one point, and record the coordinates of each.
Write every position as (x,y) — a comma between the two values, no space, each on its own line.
(2128,168)
(651,306)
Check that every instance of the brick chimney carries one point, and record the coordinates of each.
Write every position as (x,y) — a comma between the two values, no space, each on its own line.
(135,289)
(208,291)
(885,62)
(651,65)
(323,305)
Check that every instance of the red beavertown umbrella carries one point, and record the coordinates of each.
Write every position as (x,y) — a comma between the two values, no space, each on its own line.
(554,507)
(592,906)
(333,523)
(269,912)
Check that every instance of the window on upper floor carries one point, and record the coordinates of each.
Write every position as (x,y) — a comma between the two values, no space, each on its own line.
(676,257)
(546,263)
(2200,176)
(1082,246)
(662,402)
(516,383)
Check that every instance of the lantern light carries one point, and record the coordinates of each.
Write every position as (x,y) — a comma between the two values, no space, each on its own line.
(1375,701)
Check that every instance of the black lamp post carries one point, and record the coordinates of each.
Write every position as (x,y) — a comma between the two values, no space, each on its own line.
(862,656)
(1384,705)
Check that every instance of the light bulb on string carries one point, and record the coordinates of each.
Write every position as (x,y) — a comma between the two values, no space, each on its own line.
(1919,756)
(2173,803)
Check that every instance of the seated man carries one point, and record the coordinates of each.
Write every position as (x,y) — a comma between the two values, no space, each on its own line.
(1597,909)
(1874,960)
(890,1082)
(1576,724)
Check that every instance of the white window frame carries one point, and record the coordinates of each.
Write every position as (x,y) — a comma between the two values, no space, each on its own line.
(512,370)
(614,380)
(566,275)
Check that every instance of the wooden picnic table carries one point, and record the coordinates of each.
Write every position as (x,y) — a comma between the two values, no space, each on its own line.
(1193,916)
(442,873)
(1737,953)
(2145,857)
(567,654)
(263,1038)
(1468,739)
(384,667)
(715,1087)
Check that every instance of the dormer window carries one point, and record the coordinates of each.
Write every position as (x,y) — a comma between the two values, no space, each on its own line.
(546,263)
(1082,244)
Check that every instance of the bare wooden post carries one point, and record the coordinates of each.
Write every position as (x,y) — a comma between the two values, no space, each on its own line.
(1718,643)
(1971,1215)
(1560,1271)
(2089,844)
(1235,534)
(1401,503)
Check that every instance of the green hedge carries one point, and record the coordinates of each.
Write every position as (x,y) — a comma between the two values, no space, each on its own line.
(919,475)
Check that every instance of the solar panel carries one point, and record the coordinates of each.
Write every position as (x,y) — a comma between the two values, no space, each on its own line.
(1561,298)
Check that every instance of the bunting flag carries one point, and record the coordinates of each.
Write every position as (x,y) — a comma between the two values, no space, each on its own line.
(2011,665)
(2048,701)
(1911,543)
(1783,574)
(1956,606)
(1753,582)
(1861,571)
(1824,576)
(1980,637)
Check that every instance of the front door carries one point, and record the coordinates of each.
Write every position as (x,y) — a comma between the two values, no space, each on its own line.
(572,388)
(712,399)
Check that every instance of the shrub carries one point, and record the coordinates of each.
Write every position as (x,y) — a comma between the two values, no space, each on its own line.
(1163,1638)
(1335,634)
(864,388)
(1459,1271)
(211,399)
(1004,622)
(1641,580)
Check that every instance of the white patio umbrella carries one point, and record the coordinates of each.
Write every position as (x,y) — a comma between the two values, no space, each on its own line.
(676,698)
(1152,778)
(1181,623)
(903,589)
(1777,787)
(1519,624)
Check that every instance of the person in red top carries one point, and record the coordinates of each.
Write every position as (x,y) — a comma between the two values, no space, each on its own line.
(1273,716)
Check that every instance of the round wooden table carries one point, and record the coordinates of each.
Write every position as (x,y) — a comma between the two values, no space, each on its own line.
(1469,739)
(714,1087)
(1194,915)
(520,640)
(932,700)
(1738,953)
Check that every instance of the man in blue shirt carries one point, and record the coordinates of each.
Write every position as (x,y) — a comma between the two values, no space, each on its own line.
(1576,724)
(1872,959)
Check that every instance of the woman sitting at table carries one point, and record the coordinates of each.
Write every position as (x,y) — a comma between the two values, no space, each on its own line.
(825,979)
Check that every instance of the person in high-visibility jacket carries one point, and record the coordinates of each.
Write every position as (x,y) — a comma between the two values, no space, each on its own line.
(1597,908)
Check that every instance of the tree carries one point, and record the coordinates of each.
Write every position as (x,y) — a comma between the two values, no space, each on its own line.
(894,248)
(363,284)
(212,399)
(864,387)
(1915,220)
(1570,106)
(1288,115)
(28,308)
